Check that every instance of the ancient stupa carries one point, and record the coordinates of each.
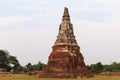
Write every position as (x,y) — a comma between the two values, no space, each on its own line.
(65,60)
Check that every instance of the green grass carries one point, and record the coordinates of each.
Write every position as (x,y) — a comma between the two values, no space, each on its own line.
(27,77)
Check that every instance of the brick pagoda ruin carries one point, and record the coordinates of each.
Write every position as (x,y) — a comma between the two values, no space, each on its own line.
(65,60)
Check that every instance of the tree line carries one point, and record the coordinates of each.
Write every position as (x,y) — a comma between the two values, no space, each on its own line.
(11,64)
(99,67)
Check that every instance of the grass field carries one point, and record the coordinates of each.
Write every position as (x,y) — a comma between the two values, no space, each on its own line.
(27,77)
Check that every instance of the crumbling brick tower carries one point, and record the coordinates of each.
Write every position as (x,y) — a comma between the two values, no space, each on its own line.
(65,60)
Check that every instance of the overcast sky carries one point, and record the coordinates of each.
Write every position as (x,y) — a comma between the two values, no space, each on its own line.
(29,28)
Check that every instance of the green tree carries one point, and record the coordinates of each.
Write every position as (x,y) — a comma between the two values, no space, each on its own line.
(14,64)
(8,62)
(107,68)
(36,67)
(115,67)
(119,66)
(4,61)
(40,65)
(98,67)
(29,67)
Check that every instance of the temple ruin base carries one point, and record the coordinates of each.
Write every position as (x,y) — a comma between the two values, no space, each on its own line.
(63,64)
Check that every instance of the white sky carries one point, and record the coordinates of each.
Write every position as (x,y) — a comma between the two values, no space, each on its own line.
(28,28)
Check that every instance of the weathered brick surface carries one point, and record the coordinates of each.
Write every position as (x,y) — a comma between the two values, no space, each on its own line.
(65,60)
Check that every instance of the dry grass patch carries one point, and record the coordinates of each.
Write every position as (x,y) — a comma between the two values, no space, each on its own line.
(27,77)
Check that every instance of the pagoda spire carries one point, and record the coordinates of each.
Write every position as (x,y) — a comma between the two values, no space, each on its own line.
(66,33)
(66,14)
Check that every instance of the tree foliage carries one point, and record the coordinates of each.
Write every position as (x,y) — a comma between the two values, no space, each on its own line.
(99,67)
(36,67)
(7,61)
(10,63)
